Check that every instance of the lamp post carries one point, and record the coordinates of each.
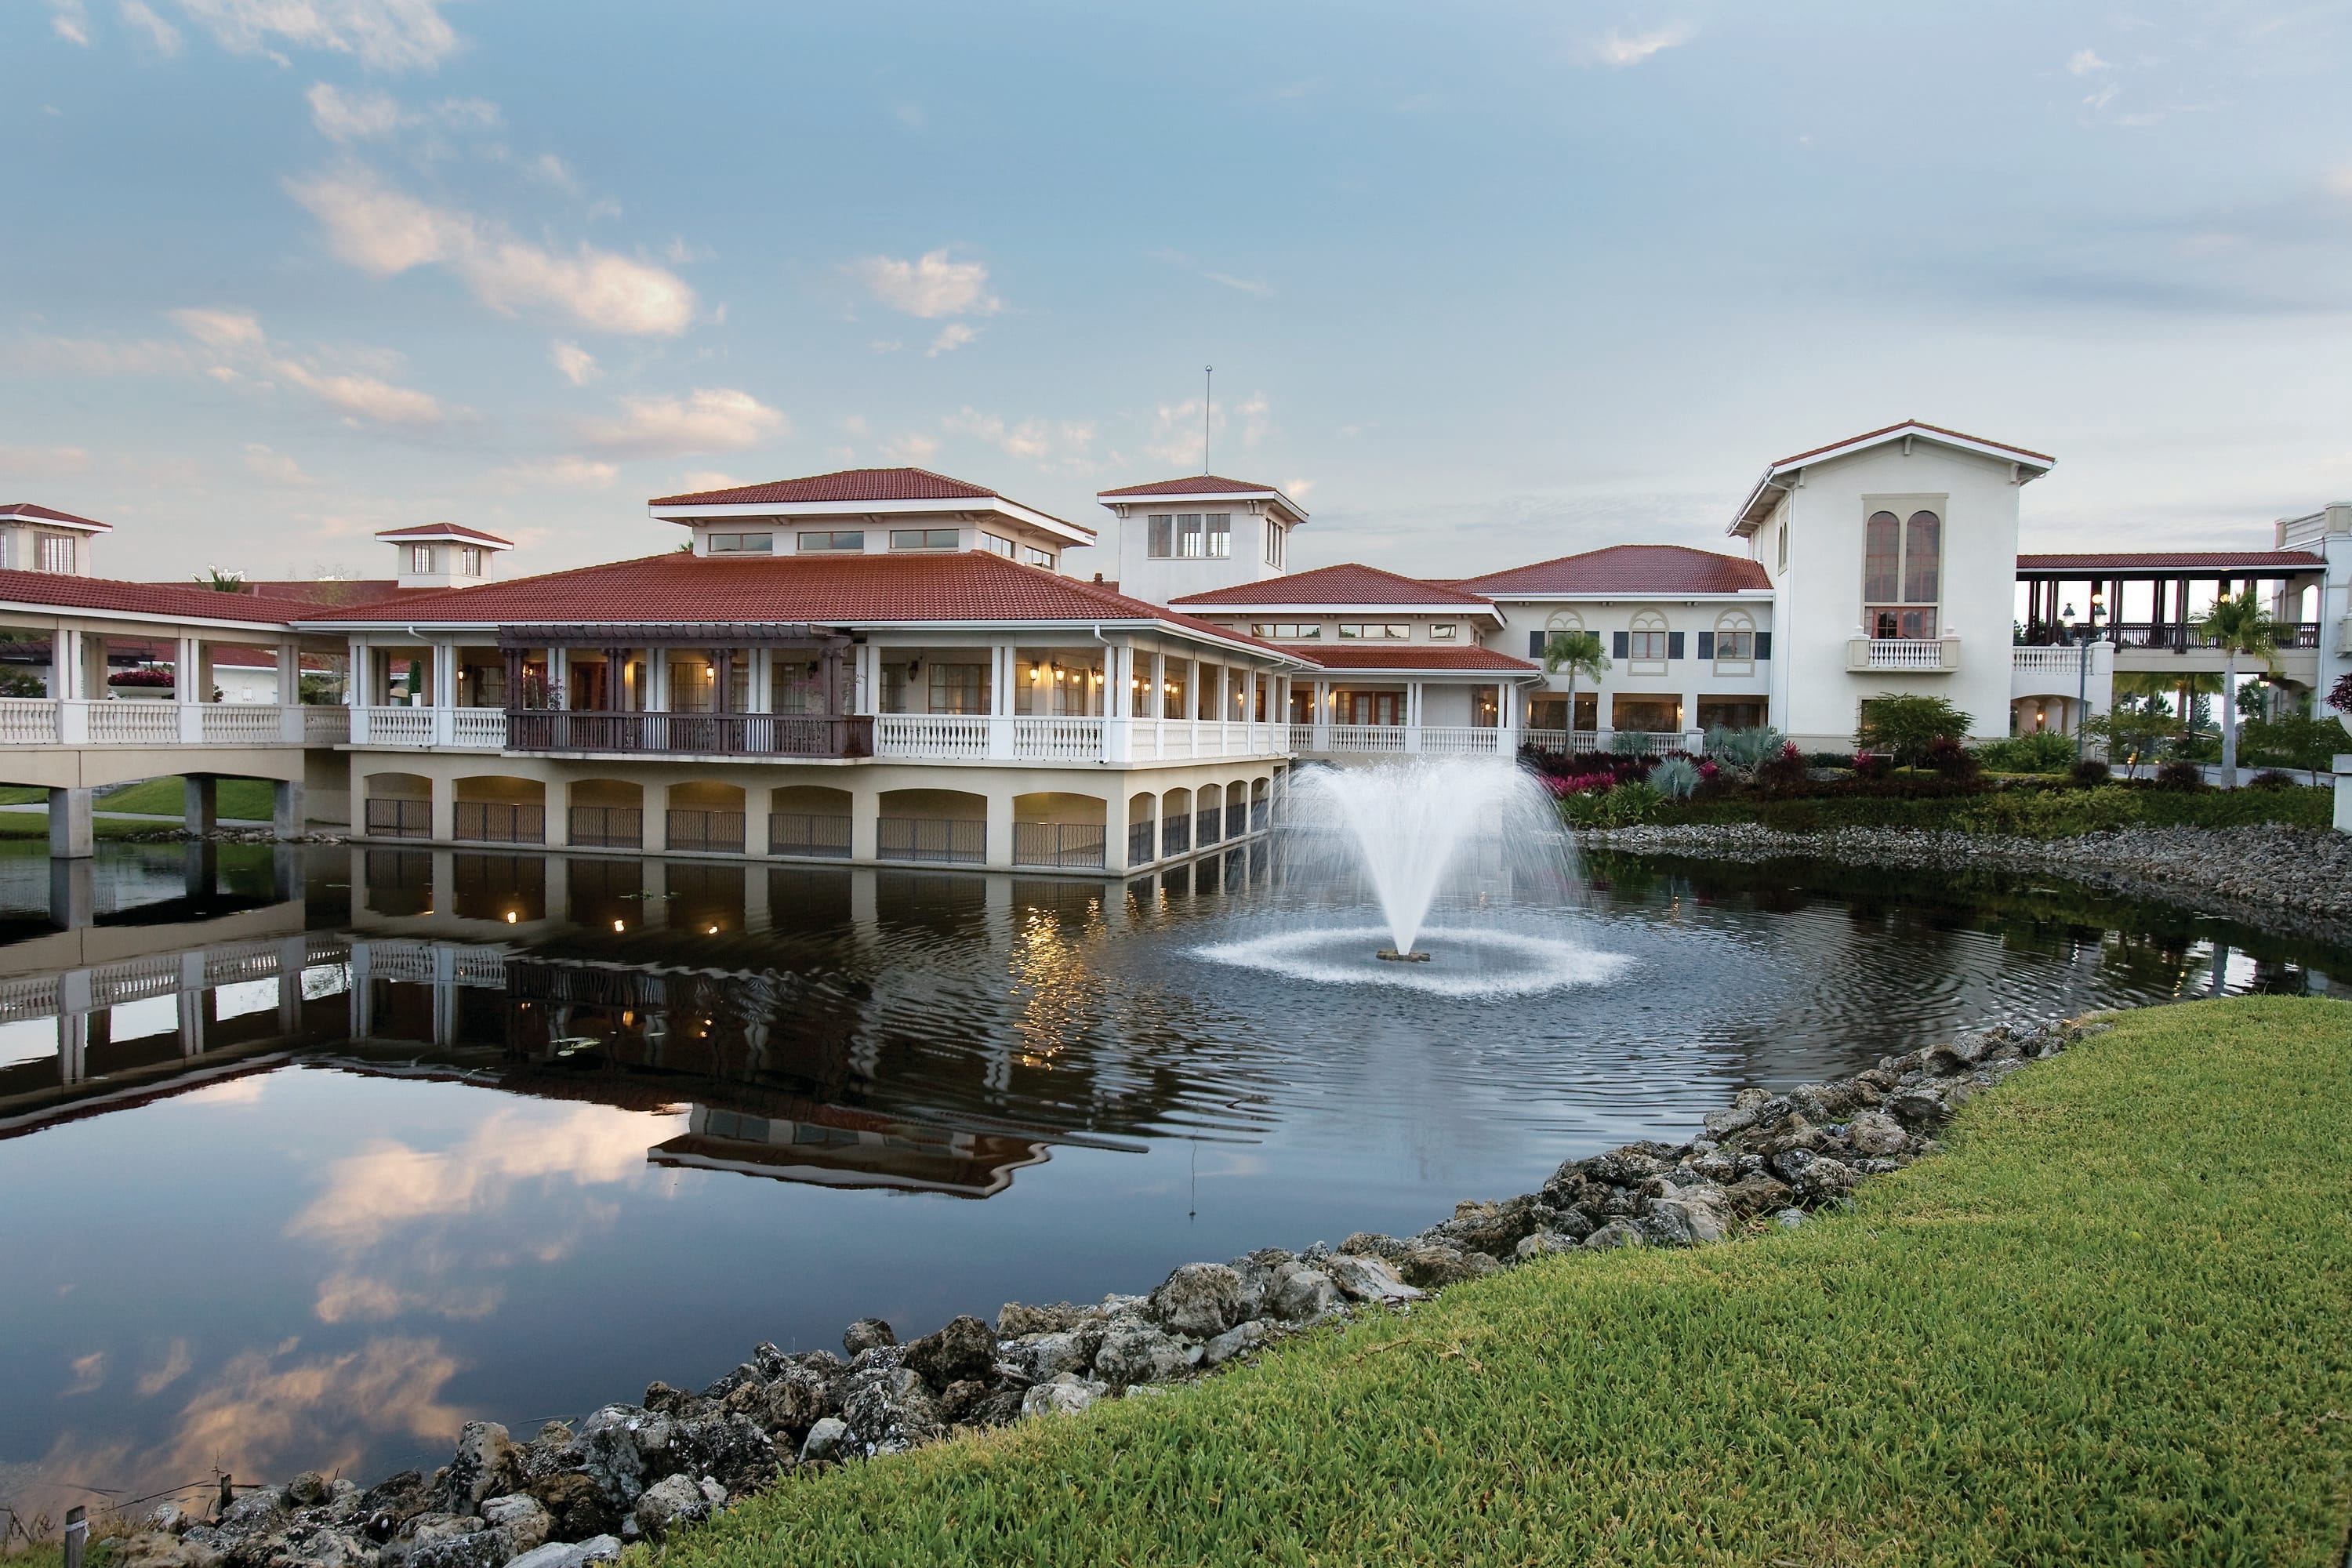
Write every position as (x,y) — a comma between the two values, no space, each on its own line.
(2082,669)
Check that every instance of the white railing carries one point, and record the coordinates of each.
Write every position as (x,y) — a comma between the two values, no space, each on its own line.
(28,722)
(1459,740)
(1365,738)
(393,726)
(134,723)
(1057,739)
(1926,654)
(222,724)
(325,724)
(932,737)
(38,722)
(2046,660)
(477,727)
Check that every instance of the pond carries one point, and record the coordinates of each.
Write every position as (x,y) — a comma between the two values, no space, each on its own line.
(309,1156)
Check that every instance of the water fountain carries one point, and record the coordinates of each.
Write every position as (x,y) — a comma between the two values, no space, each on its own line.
(1407,837)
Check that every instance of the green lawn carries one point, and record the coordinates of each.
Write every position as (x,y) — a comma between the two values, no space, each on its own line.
(2035,811)
(249,799)
(2113,1325)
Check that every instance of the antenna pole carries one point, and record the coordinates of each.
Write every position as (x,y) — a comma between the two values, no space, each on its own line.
(1207,396)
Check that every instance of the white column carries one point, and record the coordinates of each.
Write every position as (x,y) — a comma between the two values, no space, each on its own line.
(290,674)
(758,678)
(1506,701)
(445,698)
(1001,665)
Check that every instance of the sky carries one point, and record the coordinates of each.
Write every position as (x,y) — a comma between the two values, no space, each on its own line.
(1483,283)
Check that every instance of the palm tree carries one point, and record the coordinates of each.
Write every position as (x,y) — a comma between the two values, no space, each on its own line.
(220,582)
(2239,626)
(1579,653)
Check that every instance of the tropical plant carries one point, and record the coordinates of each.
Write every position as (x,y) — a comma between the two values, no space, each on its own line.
(220,582)
(1579,653)
(1631,743)
(2041,752)
(16,682)
(2185,776)
(2134,730)
(1676,778)
(1744,750)
(1952,759)
(1904,727)
(2239,627)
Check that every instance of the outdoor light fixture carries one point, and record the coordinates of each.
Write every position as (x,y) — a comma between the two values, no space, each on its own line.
(511,917)
(616,925)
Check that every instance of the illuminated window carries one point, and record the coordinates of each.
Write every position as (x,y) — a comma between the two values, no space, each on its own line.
(958,687)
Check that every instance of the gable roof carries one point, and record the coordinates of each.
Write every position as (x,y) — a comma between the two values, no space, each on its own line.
(679,589)
(28,512)
(1348,584)
(1203,487)
(1417,656)
(424,531)
(1759,503)
(876,491)
(1658,570)
(161,601)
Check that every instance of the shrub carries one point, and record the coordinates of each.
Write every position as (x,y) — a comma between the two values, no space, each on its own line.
(1744,749)
(2271,778)
(1785,771)
(1907,726)
(2045,752)
(144,677)
(1631,743)
(1872,767)
(2089,773)
(1953,759)
(1676,778)
(2185,777)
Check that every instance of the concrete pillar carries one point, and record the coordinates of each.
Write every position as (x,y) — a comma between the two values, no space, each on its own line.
(445,883)
(755,897)
(73,894)
(73,1046)
(285,872)
(71,833)
(200,803)
(290,674)
(444,810)
(190,997)
(864,807)
(999,826)
(292,954)
(64,664)
(362,992)
(359,676)
(288,808)
(445,994)
(199,868)
(656,886)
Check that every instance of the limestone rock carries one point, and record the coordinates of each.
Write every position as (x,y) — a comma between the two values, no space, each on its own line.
(827,1440)
(865,1334)
(889,1410)
(1040,1358)
(965,1348)
(1200,1300)
(1544,1243)
(1430,1267)
(673,1500)
(576,1506)
(483,1466)
(1372,1244)
(570,1554)
(161,1549)
(1234,1340)
(1014,1320)
(520,1518)
(1308,1294)
(1064,1396)
(797,1399)
(307,1489)
(1139,1355)
(1617,1233)
(1876,1134)
(1368,1279)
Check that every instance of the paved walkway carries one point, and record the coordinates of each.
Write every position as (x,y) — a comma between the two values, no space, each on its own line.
(42,807)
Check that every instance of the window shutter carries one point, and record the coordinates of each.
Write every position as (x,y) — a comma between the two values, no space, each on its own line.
(1617,645)
(1536,645)
(1706,645)
(1763,645)
(1674,645)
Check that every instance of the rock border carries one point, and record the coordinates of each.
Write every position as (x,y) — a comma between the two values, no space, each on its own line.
(575,1492)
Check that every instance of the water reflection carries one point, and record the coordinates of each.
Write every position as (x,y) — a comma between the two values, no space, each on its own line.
(311,1156)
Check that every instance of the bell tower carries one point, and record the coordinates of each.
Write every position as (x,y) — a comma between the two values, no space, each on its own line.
(1203,531)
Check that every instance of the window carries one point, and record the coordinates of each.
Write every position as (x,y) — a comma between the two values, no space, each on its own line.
(1276,539)
(1442,631)
(470,561)
(742,543)
(796,686)
(1041,558)
(1287,631)
(1733,641)
(420,559)
(1191,536)
(997,545)
(958,687)
(922,539)
(1648,638)
(1374,631)
(57,553)
(839,539)
(1784,532)
(1902,574)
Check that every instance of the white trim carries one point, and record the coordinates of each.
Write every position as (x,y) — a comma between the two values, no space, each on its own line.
(27,518)
(442,536)
(148,617)
(2023,466)
(689,514)
(1192,607)
(1123,504)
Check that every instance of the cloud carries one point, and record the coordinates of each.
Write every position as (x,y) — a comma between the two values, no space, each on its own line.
(2104,96)
(355,116)
(707,420)
(244,349)
(1622,50)
(1068,445)
(931,286)
(555,172)
(576,364)
(177,1362)
(278,469)
(1176,428)
(1296,489)
(160,35)
(565,473)
(42,462)
(952,336)
(386,231)
(909,115)
(71,21)
(911,448)
(1257,418)
(382,34)
(89,1373)
(697,479)
(267,1412)
(1257,286)
(2083,62)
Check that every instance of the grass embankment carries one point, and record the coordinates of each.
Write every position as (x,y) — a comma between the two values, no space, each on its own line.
(2025,810)
(249,800)
(2109,1326)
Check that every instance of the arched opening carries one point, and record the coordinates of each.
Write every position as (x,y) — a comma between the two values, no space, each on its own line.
(606,813)
(809,820)
(1261,804)
(1050,828)
(1237,808)
(398,806)
(1209,816)
(496,809)
(942,826)
(1142,829)
(1176,822)
(704,818)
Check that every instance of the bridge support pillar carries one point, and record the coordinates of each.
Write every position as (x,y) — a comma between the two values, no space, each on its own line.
(200,808)
(289,808)
(71,834)
(73,898)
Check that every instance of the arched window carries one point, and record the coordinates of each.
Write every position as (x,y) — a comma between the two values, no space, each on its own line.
(1648,638)
(1902,574)
(1734,637)
(1564,621)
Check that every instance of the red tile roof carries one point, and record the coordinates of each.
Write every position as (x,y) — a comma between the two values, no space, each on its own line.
(331,591)
(1354,656)
(1626,569)
(2173,561)
(1911,424)
(1344,584)
(1195,485)
(26,509)
(165,601)
(443,530)
(678,588)
(848,485)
